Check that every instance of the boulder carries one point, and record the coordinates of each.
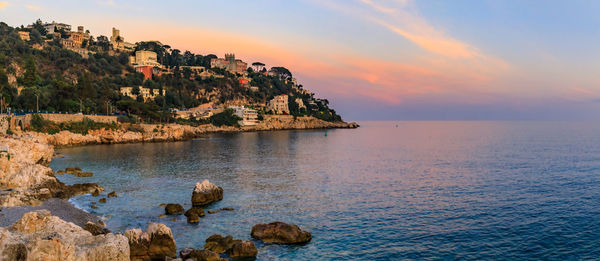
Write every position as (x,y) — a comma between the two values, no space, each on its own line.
(102,200)
(156,243)
(112,195)
(243,249)
(193,214)
(95,229)
(205,255)
(40,236)
(220,244)
(139,243)
(280,233)
(174,209)
(162,243)
(96,193)
(206,193)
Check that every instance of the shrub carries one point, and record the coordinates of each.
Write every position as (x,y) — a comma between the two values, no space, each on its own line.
(225,118)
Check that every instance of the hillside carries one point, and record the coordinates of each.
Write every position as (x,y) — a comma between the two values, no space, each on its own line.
(43,74)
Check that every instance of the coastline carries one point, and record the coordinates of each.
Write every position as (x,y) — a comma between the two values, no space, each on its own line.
(176,132)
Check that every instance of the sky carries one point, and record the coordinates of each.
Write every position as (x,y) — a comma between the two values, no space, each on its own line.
(381,59)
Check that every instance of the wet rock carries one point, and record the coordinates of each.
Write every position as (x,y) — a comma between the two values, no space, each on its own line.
(102,200)
(84,174)
(243,249)
(206,193)
(227,209)
(219,210)
(205,255)
(186,253)
(162,205)
(220,244)
(280,233)
(94,206)
(193,218)
(96,193)
(174,209)
(162,216)
(112,195)
(72,170)
(60,172)
(95,229)
(195,210)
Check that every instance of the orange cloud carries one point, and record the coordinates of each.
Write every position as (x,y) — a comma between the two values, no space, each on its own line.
(3,5)
(33,7)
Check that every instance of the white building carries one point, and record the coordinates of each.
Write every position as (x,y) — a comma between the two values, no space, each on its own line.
(249,116)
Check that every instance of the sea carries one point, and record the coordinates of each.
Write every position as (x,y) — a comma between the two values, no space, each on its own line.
(472,190)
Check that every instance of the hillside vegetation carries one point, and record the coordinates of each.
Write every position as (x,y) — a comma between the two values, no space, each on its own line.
(54,79)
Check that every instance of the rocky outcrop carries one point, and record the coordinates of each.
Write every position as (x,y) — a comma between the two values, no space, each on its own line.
(194,214)
(26,179)
(156,243)
(220,244)
(40,236)
(280,233)
(206,193)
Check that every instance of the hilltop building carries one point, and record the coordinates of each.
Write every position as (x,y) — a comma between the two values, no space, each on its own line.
(146,93)
(118,42)
(75,39)
(229,63)
(55,27)
(279,104)
(146,63)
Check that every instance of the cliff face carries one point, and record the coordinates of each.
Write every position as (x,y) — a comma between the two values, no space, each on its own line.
(175,132)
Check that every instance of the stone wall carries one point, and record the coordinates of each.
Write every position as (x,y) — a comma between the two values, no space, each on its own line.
(4,123)
(58,118)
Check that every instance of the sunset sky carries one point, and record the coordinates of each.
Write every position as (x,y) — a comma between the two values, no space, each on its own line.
(381,59)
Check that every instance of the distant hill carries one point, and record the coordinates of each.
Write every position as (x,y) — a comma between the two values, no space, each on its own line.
(43,73)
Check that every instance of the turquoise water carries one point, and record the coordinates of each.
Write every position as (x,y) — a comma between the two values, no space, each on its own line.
(418,190)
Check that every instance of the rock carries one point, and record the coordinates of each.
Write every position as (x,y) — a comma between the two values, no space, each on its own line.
(162,216)
(40,236)
(193,218)
(95,229)
(139,243)
(72,170)
(206,193)
(60,172)
(112,195)
(220,244)
(162,205)
(96,193)
(94,206)
(162,243)
(219,210)
(280,233)
(84,174)
(195,210)
(243,249)
(174,209)
(186,253)
(227,209)
(205,255)
(102,200)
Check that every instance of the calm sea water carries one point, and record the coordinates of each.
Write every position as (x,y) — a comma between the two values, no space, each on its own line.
(385,191)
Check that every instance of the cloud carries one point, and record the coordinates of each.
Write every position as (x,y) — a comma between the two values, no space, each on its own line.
(3,5)
(33,7)
(107,2)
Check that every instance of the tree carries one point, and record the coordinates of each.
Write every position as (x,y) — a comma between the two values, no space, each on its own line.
(283,72)
(258,66)
(39,26)
(30,76)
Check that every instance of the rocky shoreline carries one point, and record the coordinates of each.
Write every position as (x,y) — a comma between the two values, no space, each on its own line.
(37,223)
(177,132)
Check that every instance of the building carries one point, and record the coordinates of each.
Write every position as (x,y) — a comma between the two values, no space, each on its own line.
(148,71)
(144,58)
(249,116)
(55,27)
(279,105)
(24,35)
(118,42)
(146,93)
(75,39)
(229,63)
(244,81)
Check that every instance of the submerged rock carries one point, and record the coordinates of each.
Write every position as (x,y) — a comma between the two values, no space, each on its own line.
(40,236)
(280,233)
(112,195)
(243,249)
(206,193)
(102,200)
(84,174)
(174,209)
